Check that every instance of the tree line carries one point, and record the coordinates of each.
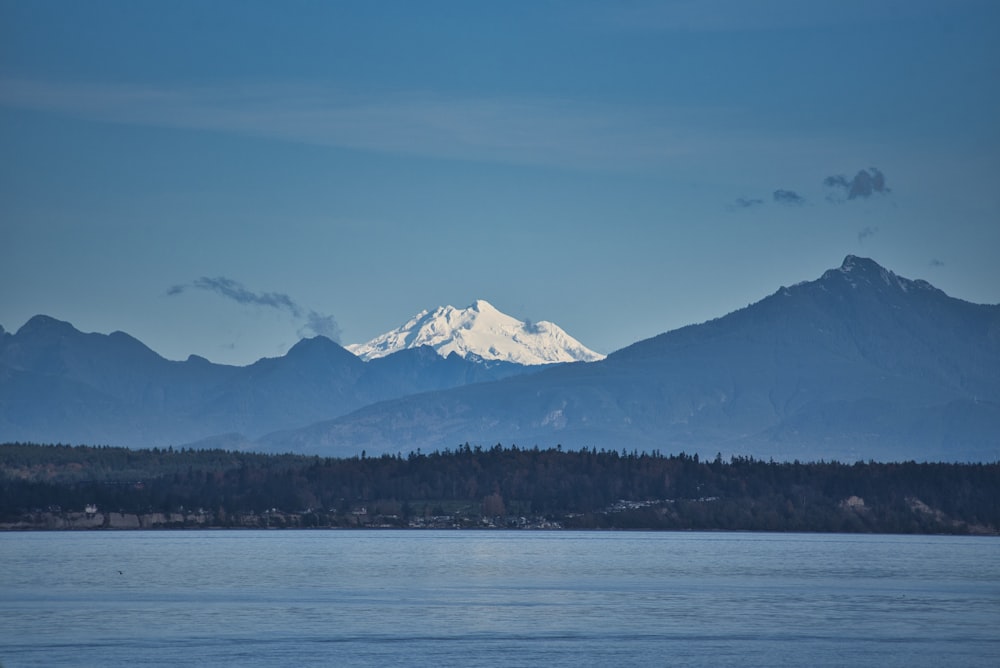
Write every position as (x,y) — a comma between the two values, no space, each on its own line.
(573,489)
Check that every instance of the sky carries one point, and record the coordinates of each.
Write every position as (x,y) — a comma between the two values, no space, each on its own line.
(224,178)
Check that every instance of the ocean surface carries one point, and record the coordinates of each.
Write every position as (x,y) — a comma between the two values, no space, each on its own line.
(496,598)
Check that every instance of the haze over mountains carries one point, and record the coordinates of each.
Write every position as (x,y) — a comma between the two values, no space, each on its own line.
(858,364)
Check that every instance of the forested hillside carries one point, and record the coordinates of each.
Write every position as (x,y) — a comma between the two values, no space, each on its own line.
(45,486)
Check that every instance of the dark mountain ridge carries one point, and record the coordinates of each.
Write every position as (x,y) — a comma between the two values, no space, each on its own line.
(58,384)
(857,364)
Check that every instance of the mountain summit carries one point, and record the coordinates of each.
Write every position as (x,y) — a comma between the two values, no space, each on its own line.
(857,364)
(861,270)
(481,331)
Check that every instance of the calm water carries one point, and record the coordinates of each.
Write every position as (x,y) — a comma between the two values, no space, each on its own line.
(384,598)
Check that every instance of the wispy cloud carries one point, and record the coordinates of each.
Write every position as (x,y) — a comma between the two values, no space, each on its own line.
(747,203)
(866,232)
(314,323)
(865,183)
(787,197)
(320,325)
(538,130)
(531,326)
(231,289)
(742,16)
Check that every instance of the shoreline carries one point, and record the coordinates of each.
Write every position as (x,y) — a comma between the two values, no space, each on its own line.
(115,521)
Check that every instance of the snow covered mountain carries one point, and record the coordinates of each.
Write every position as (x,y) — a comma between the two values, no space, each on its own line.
(859,364)
(482,331)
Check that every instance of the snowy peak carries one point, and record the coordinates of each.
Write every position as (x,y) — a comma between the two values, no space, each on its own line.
(480,330)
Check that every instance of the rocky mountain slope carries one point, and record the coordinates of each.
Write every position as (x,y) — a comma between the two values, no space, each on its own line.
(858,364)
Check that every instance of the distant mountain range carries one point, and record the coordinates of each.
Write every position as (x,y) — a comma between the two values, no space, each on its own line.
(858,364)
(58,384)
(481,331)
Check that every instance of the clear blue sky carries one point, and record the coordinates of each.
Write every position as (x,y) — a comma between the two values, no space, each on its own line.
(220,178)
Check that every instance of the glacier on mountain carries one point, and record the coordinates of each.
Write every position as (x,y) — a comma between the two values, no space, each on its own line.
(483,331)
